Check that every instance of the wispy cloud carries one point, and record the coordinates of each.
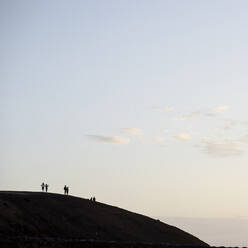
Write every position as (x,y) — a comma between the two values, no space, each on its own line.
(158,139)
(225,148)
(183,136)
(190,116)
(220,109)
(108,139)
(244,140)
(229,125)
(217,110)
(204,112)
(164,109)
(132,131)
(245,123)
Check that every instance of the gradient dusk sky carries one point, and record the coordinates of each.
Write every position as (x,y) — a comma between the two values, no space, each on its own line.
(139,103)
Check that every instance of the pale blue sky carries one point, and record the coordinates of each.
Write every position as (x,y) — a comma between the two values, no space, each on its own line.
(140,103)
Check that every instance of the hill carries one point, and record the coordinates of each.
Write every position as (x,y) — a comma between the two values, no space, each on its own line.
(33,214)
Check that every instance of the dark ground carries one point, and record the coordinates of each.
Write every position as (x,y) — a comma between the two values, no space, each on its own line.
(69,219)
(59,243)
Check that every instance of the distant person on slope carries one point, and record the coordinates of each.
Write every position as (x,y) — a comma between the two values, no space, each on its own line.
(65,189)
(42,186)
(46,186)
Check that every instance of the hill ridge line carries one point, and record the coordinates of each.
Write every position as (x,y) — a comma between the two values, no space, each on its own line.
(40,214)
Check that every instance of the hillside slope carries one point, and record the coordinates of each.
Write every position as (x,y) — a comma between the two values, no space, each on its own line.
(53,215)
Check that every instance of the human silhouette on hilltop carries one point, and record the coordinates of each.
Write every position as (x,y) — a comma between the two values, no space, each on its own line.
(66,190)
(42,186)
(46,186)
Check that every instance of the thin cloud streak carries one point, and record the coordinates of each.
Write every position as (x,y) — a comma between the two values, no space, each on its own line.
(165,109)
(217,110)
(201,113)
(183,136)
(108,139)
(228,126)
(220,109)
(132,131)
(226,148)
(244,140)
(190,116)
(158,139)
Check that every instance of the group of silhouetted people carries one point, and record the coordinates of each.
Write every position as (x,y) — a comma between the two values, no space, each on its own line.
(66,190)
(44,186)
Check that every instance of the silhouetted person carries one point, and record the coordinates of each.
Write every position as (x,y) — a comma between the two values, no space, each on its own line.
(46,186)
(65,189)
(42,186)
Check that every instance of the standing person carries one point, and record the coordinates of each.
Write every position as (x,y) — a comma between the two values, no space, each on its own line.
(65,189)
(42,186)
(46,186)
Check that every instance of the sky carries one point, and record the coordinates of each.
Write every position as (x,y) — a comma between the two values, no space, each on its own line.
(138,103)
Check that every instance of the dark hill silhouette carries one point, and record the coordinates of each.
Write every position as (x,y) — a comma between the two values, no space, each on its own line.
(35,214)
